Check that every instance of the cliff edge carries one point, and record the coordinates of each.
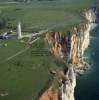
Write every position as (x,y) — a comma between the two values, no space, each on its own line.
(70,47)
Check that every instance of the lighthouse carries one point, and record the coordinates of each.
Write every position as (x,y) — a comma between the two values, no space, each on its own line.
(19,30)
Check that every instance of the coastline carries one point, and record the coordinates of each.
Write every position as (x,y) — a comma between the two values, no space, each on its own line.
(64,96)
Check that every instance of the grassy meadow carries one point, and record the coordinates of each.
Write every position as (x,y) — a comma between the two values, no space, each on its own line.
(23,75)
(56,15)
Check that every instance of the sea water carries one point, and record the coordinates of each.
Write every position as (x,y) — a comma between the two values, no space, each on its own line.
(87,87)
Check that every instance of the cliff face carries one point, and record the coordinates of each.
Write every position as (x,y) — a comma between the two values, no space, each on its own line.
(68,85)
(80,41)
(70,47)
(59,43)
(90,15)
(50,94)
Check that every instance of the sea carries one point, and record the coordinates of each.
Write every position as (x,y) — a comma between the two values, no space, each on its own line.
(87,87)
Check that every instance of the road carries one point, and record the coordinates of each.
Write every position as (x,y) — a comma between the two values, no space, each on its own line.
(23,50)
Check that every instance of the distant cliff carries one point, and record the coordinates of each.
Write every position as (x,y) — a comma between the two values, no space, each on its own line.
(70,47)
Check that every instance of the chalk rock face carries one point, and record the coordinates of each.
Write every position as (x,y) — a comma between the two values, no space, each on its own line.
(50,94)
(71,45)
(68,85)
(59,43)
(65,90)
(80,40)
(91,15)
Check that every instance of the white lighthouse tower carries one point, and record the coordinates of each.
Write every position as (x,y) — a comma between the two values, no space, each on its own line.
(19,30)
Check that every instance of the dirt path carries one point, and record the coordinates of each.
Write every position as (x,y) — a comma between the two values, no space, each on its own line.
(22,51)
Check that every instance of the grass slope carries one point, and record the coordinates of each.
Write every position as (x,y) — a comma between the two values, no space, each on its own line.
(24,75)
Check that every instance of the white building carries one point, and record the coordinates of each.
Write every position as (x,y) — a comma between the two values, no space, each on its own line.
(19,30)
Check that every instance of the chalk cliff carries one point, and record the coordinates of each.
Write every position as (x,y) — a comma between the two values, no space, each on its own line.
(50,94)
(70,47)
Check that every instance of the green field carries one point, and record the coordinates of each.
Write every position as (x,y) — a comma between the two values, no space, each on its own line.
(56,15)
(23,76)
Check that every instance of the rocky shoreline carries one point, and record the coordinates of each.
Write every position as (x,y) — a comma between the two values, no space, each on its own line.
(70,47)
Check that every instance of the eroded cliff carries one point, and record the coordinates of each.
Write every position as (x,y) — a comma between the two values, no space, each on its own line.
(50,94)
(70,47)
